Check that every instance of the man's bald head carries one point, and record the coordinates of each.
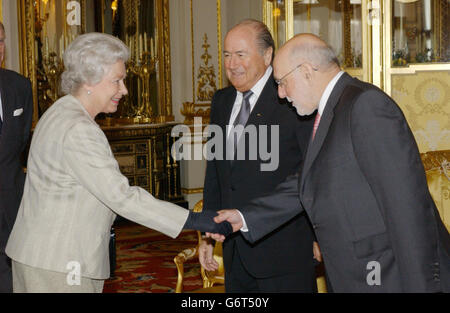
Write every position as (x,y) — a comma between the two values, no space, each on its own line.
(303,67)
(312,49)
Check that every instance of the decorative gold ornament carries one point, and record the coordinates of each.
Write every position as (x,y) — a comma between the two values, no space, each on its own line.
(143,69)
(190,111)
(206,83)
(37,45)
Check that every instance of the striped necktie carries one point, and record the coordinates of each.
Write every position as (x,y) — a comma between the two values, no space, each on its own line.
(244,113)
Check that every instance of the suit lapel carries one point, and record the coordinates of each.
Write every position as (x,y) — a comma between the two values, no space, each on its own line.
(226,107)
(325,122)
(6,98)
(265,105)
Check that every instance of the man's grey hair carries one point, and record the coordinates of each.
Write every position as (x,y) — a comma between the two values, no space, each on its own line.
(87,59)
(264,38)
(319,55)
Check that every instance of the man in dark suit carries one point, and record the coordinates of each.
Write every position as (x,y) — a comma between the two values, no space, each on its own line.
(282,261)
(16,108)
(362,183)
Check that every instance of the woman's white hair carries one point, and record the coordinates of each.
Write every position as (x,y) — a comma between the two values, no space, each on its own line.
(87,59)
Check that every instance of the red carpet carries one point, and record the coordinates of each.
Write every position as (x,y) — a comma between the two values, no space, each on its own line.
(145,261)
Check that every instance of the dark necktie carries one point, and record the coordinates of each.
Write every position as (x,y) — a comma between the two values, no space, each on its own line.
(244,113)
(241,119)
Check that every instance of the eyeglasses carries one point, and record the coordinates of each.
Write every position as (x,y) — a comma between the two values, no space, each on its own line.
(280,81)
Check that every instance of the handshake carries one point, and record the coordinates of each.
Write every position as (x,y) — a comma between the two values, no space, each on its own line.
(217,225)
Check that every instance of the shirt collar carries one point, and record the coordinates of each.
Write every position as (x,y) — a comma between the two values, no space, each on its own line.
(259,86)
(327,92)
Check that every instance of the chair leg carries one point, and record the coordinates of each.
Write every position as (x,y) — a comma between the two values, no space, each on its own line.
(112,252)
(180,268)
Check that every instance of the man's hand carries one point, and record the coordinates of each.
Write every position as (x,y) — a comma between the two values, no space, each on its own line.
(231,216)
(205,255)
(316,251)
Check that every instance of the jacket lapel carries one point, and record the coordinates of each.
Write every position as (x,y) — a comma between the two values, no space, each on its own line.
(6,98)
(226,107)
(265,105)
(325,122)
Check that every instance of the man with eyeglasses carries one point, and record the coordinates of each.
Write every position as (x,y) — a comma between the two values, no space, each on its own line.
(362,183)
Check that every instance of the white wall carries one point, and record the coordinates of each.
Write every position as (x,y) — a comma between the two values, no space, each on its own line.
(10,21)
(180,53)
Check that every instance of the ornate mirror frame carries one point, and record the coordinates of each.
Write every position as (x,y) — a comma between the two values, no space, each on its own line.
(29,53)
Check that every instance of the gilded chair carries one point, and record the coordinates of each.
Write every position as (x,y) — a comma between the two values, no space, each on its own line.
(209,278)
(321,284)
(437,170)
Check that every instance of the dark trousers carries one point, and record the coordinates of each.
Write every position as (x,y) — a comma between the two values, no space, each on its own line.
(5,261)
(239,280)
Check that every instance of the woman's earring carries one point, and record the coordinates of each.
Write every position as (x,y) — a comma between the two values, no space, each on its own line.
(89,92)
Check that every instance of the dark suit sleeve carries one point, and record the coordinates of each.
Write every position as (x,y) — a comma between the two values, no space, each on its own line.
(28,112)
(211,189)
(265,214)
(388,157)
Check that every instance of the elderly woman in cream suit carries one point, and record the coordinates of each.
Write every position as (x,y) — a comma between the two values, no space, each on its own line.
(74,188)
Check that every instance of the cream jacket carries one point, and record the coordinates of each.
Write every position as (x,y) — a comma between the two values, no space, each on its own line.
(73,191)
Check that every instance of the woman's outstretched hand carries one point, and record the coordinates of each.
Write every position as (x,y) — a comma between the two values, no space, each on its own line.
(204,222)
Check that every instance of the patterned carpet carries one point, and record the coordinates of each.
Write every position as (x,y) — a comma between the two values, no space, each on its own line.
(145,261)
